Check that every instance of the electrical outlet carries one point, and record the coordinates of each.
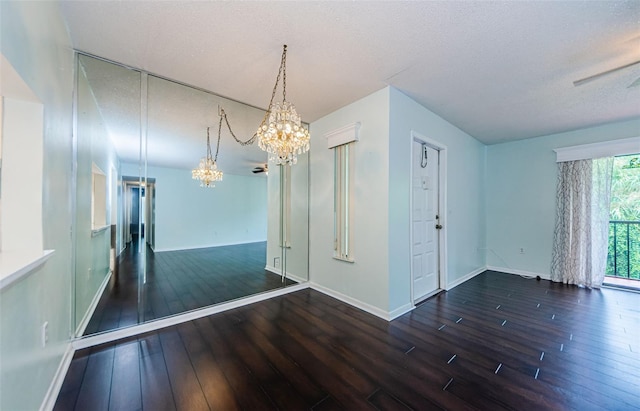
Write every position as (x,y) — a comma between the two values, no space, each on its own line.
(45,333)
(521,250)
(276,262)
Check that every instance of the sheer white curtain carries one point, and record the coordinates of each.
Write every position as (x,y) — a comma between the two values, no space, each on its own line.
(582,222)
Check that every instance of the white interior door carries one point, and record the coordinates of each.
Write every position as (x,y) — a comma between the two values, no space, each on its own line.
(424,253)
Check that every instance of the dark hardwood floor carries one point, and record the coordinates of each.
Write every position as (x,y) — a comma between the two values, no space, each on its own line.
(496,342)
(179,281)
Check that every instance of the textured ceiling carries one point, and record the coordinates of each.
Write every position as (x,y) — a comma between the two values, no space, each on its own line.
(498,70)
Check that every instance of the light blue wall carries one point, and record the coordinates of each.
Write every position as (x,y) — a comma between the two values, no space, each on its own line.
(464,218)
(367,279)
(381,275)
(521,184)
(190,216)
(34,39)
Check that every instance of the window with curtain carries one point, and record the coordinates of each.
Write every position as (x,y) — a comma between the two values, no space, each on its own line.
(582,221)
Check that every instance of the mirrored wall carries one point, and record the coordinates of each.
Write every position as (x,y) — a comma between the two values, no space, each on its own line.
(150,242)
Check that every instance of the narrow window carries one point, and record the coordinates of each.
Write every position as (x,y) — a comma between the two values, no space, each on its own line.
(98,198)
(341,207)
(285,205)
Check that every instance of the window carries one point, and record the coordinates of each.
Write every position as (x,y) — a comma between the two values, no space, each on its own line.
(341,142)
(98,198)
(341,206)
(285,205)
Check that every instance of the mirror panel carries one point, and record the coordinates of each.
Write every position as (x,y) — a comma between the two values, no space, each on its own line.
(180,246)
(104,92)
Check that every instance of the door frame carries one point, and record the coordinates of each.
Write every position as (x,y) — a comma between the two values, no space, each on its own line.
(442,207)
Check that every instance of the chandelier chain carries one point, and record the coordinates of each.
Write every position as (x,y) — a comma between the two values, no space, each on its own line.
(218,144)
(282,72)
(250,141)
(209,145)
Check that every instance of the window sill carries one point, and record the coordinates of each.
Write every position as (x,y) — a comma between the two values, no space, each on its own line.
(346,260)
(14,266)
(98,230)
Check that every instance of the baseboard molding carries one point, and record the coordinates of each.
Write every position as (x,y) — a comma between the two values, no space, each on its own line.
(400,311)
(290,276)
(162,250)
(378,312)
(94,303)
(544,276)
(51,396)
(464,278)
(93,340)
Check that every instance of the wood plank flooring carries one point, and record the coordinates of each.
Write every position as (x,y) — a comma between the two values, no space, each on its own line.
(179,281)
(496,342)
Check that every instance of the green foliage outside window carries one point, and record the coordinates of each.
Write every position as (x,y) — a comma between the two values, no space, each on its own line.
(624,238)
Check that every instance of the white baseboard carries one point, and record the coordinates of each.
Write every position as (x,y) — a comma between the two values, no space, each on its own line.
(290,276)
(154,325)
(400,311)
(94,303)
(465,278)
(378,312)
(51,396)
(544,276)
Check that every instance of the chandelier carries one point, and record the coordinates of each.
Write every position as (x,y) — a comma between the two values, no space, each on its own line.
(207,171)
(280,134)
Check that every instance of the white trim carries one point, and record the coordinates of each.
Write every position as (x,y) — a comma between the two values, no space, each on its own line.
(93,340)
(14,266)
(92,307)
(343,135)
(293,277)
(466,277)
(544,276)
(400,311)
(351,301)
(442,206)
(161,250)
(51,396)
(598,150)
(98,230)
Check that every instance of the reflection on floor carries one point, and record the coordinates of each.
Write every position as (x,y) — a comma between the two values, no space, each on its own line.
(496,342)
(179,281)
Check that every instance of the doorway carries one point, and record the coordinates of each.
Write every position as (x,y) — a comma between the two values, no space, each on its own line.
(427,222)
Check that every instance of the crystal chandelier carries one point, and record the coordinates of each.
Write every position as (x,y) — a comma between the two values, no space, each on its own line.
(207,172)
(280,134)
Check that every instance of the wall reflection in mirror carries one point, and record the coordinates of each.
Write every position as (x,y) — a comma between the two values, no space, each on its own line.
(150,241)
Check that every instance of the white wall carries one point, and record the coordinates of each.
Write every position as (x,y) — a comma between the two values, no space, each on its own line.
(367,279)
(521,187)
(189,216)
(92,249)
(35,41)
(464,217)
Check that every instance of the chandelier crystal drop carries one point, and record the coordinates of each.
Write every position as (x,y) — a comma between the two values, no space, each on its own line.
(281,133)
(207,171)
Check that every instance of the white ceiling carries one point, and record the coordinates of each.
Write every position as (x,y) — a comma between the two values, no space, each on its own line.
(498,70)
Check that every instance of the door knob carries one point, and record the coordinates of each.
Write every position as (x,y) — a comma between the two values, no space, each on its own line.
(438,227)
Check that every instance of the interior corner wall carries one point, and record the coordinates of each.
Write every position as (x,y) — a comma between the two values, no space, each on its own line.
(521,190)
(34,39)
(189,216)
(464,218)
(366,279)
